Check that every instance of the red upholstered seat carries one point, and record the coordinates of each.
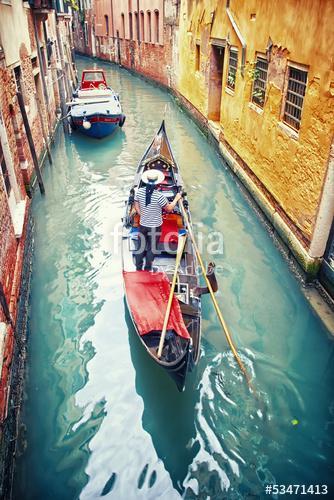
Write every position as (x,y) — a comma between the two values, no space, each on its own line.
(169,231)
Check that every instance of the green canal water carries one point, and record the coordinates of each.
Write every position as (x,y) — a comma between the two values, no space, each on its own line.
(100,419)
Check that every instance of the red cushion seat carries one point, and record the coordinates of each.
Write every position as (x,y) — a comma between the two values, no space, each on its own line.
(169,231)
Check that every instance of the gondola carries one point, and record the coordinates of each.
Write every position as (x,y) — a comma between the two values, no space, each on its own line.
(147,292)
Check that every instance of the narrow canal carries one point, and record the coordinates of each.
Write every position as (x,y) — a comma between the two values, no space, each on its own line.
(100,419)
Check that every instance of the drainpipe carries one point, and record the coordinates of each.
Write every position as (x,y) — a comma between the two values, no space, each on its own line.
(325,212)
(239,35)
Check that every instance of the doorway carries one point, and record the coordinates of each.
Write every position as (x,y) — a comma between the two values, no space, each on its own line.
(215,82)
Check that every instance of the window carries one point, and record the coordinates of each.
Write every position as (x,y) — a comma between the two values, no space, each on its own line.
(149,26)
(130,26)
(123,25)
(142,26)
(232,68)
(106,23)
(260,81)
(4,171)
(94,76)
(86,32)
(198,57)
(294,98)
(136,26)
(156,19)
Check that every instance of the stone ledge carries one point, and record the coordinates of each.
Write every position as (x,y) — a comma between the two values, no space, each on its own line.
(309,264)
(18,217)
(288,131)
(255,108)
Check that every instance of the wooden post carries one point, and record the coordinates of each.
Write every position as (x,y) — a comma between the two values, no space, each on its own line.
(45,137)
(62,91)
(73,75)
(31,142)
(62,60)
(61,77)
(41,65)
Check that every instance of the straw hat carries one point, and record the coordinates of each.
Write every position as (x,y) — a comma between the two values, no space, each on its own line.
(152,176)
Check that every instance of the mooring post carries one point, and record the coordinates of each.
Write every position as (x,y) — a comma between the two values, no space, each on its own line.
(41,65)
(45,137)
(62,81)
(31,142)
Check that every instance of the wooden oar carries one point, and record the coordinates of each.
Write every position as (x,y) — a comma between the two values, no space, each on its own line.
(180,246)
(219,314)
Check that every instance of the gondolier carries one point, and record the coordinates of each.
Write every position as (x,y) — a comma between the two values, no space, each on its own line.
(149,204)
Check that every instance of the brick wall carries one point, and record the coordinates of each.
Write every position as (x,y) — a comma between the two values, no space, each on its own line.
(150,59)
(14,140)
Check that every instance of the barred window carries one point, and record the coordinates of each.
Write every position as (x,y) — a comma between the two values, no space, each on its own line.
(295,97)
(232,68)
(260,81)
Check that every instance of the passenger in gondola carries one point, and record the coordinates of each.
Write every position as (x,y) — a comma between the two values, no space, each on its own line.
(149,204)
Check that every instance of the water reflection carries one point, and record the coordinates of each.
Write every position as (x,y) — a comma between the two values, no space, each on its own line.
(168,416)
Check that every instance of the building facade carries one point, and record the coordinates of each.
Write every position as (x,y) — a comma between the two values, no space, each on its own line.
(36,68)
(84,28)
(137,34)
(251,70)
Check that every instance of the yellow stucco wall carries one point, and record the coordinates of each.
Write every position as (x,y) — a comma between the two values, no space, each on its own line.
(291,168)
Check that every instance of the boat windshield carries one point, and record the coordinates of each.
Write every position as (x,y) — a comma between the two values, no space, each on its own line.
(93,76)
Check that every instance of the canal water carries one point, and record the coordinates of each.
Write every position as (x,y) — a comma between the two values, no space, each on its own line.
(100,419)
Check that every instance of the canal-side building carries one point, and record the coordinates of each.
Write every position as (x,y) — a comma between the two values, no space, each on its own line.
(83,28)
(260,75)
(36,69)
(137,34)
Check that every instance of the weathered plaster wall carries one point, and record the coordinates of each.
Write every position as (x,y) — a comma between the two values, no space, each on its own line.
(301,32)
(13,20)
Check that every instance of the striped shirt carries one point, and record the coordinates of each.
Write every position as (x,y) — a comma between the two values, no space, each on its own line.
(150,216)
